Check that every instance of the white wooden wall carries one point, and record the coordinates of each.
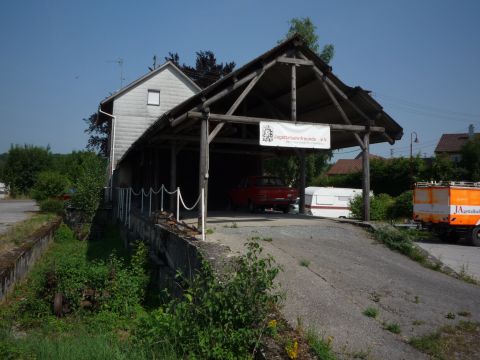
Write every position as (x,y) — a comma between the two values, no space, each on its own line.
(134,116)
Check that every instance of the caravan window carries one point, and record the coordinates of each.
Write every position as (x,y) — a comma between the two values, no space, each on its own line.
(344,198)
(324,200)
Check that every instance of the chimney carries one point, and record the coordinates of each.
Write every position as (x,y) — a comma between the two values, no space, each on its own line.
(471,132)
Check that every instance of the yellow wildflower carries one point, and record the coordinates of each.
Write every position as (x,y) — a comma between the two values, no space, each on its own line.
(272,324)
(292,350)
(329,340)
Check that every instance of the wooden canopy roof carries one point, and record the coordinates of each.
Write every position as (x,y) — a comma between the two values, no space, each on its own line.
(264,89)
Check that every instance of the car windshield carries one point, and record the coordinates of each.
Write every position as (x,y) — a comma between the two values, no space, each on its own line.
(268,181)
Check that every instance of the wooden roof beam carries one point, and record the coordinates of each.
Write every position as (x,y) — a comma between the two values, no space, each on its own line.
(225,92)
(256,120)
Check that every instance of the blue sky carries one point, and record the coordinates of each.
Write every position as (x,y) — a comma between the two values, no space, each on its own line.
(421,59)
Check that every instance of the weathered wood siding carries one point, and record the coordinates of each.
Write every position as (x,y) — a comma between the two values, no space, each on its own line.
(134,116)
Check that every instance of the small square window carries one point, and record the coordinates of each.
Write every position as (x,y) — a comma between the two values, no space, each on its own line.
(153,97)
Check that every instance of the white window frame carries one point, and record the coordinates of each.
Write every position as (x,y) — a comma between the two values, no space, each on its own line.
(150,100)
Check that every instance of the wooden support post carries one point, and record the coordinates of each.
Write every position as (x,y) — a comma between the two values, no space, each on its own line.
(173,174)
(203,167)
(366,176)
(294,93)
(301,183)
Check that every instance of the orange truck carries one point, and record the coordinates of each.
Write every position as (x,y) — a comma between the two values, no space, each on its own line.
(451,209)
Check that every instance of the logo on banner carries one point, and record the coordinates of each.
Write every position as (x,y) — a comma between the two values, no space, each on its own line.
(267,133)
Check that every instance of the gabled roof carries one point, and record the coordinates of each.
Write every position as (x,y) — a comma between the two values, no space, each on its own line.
(349,166)
(313,103)
(452,143)
(147,76)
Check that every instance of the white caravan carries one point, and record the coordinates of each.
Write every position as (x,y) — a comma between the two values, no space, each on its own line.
(329,201)
(3,191)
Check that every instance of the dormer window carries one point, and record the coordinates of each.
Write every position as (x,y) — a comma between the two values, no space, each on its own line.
(153,97)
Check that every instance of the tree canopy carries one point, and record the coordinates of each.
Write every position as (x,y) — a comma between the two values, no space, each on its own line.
(98,135)
(308,30)
(22,166)
(206,70)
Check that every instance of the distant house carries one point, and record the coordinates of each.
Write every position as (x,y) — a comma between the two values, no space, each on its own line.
(138,105)
(349,166)
(451,144)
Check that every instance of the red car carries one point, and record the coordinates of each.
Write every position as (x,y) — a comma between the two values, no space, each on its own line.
(260,192)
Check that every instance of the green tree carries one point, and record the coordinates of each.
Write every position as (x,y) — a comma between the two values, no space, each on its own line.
(98,134)
(442,168)
(22,166)
(307,29)
(288,167)
(206,70)
(471,159)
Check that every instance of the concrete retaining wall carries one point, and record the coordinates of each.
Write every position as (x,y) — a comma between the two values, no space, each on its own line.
(171,251)
(16,263)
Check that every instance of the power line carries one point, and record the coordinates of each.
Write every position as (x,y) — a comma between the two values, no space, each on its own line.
(426,107)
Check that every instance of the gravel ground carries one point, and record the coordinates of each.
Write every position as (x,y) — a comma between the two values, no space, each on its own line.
(12,211)
(348,272)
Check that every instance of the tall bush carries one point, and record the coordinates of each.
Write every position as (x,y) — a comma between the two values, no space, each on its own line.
(379,206)
(49,184)
(402,206)
(89,185)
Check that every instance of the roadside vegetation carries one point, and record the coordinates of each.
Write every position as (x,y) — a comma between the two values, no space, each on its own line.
(92,300)
(402,241)
(21,231)
(451,342)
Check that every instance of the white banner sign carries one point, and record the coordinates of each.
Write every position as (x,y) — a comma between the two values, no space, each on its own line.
(287,134)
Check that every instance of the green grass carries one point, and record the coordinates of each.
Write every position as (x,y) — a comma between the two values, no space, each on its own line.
(320,347)
(463,275)
(371,312)
(402,240)
(449,342)
(209,322)
(305,263)
(393,328)
(19,232)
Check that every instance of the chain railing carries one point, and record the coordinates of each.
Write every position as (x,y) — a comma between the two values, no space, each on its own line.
(124,203)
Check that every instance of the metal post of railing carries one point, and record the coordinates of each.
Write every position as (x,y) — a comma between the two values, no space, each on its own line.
(203,214)
(141,194)
(161,198)
(118,203)
(129,206)
(178,204)
(150,202)
(122,206)
(125,220)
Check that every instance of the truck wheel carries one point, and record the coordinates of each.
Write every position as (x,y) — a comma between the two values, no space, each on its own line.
(475,236)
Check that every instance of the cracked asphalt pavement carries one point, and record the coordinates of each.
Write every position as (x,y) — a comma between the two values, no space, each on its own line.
(347,273)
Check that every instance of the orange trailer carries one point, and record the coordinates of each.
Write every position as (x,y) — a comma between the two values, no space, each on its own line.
(449,208)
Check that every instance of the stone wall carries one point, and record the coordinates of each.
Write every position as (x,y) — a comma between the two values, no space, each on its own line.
(16,263)
(171,251)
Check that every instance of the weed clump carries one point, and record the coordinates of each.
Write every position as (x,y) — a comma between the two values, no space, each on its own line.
(371,312)
(400,241)
(216,319)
